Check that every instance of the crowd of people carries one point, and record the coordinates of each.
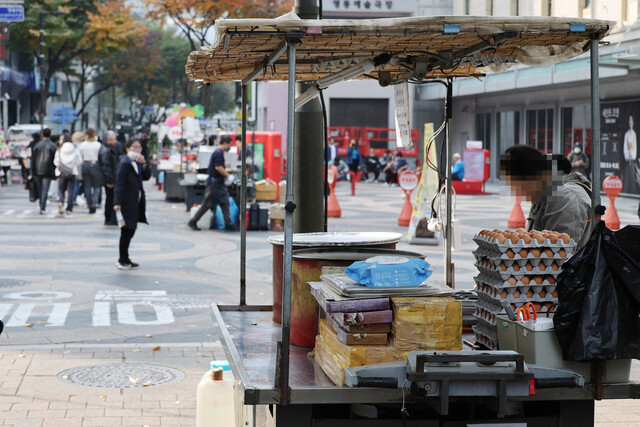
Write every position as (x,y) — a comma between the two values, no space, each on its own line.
(67,166)
(370,168)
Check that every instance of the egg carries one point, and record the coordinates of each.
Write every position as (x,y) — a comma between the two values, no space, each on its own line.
(565,238)
(542,293)
(500,238)
(526,238)
(504,294)
(535,252)
(514,307)
(515,266)
(554,266)
(510,253)
(554,293)
(562,253)
(541,266)
(521,230)
(530,293)
(512,281)
(503,266)
(537,279)
(553,238)
(525,280)
(528,266)
(548,252)
(550,279)
(516,294)
(537,306)
(550,306)
(523,253)
(539,238)
(514,238)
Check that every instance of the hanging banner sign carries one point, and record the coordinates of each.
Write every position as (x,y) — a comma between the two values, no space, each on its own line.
(403,118)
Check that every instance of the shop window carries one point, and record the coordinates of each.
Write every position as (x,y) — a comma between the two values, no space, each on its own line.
(576,127)
(540,129)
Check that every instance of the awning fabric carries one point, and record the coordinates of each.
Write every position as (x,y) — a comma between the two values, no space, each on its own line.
(414,48)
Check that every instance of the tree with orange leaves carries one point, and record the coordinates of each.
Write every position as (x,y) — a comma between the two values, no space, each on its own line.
(195,19)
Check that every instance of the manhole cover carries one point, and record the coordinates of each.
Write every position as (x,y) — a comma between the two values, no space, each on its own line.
(11,283)
(121,376)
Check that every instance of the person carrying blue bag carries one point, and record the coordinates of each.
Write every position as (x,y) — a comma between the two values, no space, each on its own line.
(216,193)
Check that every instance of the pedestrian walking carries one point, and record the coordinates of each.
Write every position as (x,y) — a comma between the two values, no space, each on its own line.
(108,160)
(354,158)
(68,161)
(91,173)
(77,138)
(42,167)
(215,192)
(129,199)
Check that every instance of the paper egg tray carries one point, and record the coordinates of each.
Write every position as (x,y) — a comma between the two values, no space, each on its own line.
(489,340)
(539,267)
(497,257)
(490,298)
(513,294)
(492,244)
(485,316)
(525,280)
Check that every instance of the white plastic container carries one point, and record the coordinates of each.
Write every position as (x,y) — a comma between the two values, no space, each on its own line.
(205,220)
(214,402)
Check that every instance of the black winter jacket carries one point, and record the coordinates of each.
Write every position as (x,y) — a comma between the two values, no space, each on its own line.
(129,192)
(108,160)
(42,157)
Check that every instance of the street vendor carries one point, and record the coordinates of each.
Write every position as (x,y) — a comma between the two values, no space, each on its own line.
(561,199)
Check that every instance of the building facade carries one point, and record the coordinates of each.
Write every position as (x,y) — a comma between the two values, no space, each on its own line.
(549,107)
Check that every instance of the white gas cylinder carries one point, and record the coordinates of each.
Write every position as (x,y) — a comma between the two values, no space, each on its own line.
(214,402)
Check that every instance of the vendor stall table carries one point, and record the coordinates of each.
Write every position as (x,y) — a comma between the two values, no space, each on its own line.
(394,51)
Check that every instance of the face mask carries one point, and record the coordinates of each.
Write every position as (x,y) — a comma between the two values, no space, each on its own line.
(577,150)
(133,155)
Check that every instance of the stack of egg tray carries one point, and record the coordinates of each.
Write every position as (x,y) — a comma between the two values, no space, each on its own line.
(517,273)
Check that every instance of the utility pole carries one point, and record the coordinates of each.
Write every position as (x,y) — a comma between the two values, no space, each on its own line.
(308,180)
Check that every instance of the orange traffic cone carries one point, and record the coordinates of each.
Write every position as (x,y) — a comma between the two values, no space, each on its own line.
(516,218)
(405,214)
(612,186)
(333,207)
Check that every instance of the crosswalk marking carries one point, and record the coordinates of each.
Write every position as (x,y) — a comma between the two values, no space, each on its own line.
(56,316)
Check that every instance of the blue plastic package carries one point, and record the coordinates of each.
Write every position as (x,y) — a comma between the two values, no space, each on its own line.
(389,271)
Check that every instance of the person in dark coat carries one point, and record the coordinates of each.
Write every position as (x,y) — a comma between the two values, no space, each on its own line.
(108,160)
(128,197)
(42,166)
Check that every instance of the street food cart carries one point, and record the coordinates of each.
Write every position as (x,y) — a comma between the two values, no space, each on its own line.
(420,50)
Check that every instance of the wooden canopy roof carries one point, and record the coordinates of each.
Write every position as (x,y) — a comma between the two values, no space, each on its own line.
(413,48)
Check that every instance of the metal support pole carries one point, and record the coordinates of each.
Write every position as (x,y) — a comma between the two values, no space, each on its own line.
(595,123)
(448,269)
(288,232)
(243,202)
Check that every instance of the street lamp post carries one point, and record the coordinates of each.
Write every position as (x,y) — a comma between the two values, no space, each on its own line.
(43,95)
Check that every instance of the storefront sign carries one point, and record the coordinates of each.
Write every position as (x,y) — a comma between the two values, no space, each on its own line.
(368,7)
(619,143)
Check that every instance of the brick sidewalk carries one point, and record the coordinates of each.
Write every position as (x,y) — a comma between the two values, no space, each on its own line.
(31,394)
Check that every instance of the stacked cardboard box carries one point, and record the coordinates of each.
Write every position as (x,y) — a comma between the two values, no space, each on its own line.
(357,332)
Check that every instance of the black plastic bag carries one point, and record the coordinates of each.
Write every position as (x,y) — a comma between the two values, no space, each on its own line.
(598,316)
